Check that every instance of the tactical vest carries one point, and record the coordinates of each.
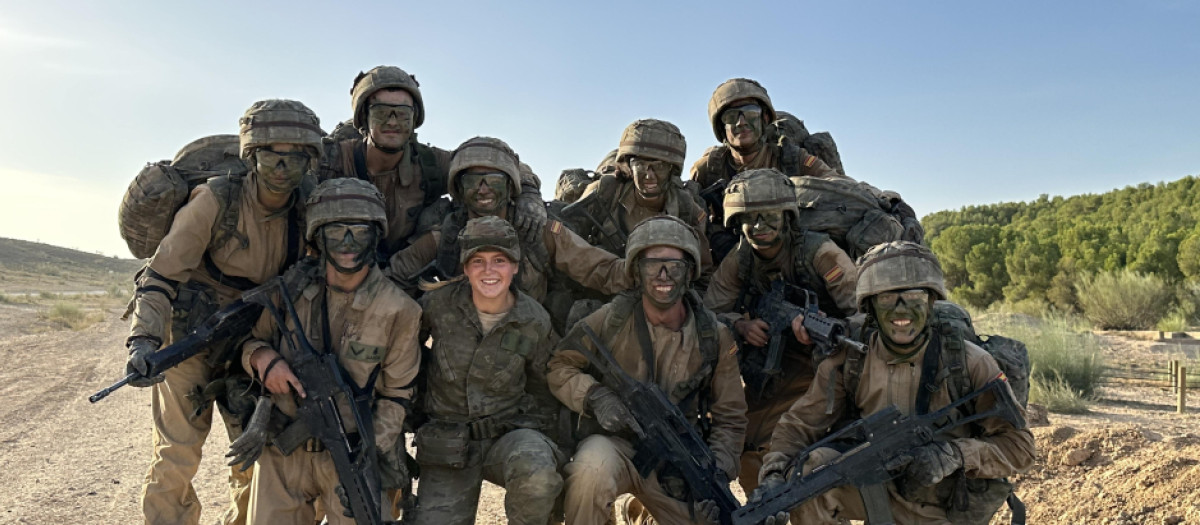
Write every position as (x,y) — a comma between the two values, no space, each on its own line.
(604,224)
(789,160)
(804,246)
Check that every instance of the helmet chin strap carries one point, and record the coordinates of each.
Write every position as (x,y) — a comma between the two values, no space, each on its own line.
(386,149)
(361,260)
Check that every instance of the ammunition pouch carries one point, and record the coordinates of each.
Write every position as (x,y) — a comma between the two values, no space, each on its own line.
(443,444)
(982,498)
(194,303)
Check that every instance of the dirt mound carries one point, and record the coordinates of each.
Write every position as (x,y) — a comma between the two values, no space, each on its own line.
(1122,474)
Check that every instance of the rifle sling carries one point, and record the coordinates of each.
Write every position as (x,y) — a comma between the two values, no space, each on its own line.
(875,503)
(643,337)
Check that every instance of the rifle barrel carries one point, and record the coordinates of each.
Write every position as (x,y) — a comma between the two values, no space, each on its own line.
(112,388)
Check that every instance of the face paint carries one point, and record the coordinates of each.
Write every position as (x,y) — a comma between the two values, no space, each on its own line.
(664,281)
(389,125)
(649,176)
(348,245)
(762,229)
(901,322)
(743,126)
(485,193)
(281,172)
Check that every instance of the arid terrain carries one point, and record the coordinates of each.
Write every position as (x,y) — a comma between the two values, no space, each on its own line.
(1131,460)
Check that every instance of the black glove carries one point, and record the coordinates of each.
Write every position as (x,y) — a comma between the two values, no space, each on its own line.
(670,479)
(930,464)
(771,481)
(707,512)
(246,449)
(610,412)
(140,348)
(393,467)
(531,214)
(344,500)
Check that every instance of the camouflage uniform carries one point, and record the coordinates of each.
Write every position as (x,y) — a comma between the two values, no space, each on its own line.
(191,276)
(720,163)
(413,189)
(992,449)
(602,467)
(544,250)
(373,330)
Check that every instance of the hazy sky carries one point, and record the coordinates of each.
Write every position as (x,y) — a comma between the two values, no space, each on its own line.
(950,103)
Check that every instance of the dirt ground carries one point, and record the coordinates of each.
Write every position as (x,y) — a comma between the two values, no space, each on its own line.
(1131,460)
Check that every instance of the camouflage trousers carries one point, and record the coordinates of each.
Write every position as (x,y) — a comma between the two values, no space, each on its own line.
(603,469)
(523,461)
(168,497)
(845,503)
(287,490)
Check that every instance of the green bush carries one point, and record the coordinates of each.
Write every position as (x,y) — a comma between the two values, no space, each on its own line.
(4,299)
(1124,300)
(1057,396)
(1176,321)
(72,316)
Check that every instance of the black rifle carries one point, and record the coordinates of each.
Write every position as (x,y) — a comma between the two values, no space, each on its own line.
(590,207)
(714,198)
(774,309)
(879,443)
(667,437)
(234,320)
(327,391)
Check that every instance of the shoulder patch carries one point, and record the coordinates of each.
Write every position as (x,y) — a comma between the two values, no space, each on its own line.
(1002,377)
(363,352)
(555,227)
(812,159)
(834,274)
(733,348)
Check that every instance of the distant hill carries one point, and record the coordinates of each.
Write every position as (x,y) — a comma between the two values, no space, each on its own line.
(35,267)
(1014,251)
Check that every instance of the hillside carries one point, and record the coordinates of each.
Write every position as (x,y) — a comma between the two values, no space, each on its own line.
(1014,251)
(32,267)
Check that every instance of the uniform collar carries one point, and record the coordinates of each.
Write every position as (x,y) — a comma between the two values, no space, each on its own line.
(363,295)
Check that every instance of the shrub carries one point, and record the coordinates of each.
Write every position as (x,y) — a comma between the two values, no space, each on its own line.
(4,299)
(1124,300)
(71,316)
(1176,321)
(1057,396)
(1060,349)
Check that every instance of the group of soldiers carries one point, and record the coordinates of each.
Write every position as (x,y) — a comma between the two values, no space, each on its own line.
(468,321)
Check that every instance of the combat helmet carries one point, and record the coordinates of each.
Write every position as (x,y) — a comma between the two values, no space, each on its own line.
(662,230)
(484,152)
(655,139)
(488,232)
(898,265)
(736,89)
(384,77)
(764,189)
(278,121)
(345,200)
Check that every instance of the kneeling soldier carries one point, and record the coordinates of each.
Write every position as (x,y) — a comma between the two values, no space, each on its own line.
(485,389)
(659,333)
(898,283)
(350,309)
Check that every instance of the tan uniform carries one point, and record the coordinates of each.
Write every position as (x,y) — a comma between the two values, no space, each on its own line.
(834,279)
(999,451)
(602,467)
(168,496)
(627,213)
(488,384)
(706,172)
(375,326)
(565,251)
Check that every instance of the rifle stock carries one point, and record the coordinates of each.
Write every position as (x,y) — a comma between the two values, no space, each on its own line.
(879,439)
(667,436)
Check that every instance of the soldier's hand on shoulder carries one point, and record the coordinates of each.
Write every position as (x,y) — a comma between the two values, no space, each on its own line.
(531,214)
(753,331)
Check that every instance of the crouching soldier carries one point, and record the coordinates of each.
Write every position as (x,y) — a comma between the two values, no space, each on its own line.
(906,364)
(761,205)
(659,333)
(350,309)
(485,389)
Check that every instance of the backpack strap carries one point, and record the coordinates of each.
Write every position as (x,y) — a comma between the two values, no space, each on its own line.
(931,378)
(789,158)
(228,190)
(360,160)
(745,262)
(446,260)
(852,367)
(433,180)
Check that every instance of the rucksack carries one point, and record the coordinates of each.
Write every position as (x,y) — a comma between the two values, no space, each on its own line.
(787,130)
(162,188)
(854,214)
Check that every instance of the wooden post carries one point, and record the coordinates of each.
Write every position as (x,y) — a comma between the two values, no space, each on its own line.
(1182,407)
(1171,365)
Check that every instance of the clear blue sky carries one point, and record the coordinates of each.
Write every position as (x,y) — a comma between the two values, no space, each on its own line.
(950,103)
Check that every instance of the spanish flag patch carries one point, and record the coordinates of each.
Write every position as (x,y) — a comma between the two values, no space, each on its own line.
(555,227)
(812,159)
(733,349)
(834,274)
(1002,377)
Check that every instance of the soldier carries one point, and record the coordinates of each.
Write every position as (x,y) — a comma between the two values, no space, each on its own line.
(660,333)
(388,108)
(201,265)
(898,283)
(352,310)
(484,178)
(740,112)
(761,203)
(485,392)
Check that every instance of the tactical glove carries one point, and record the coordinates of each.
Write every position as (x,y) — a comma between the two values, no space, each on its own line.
(707,512)
(770,480)
(246,449)
(531,214)
(140,348)
(393,468)
(930,464)
(609,411)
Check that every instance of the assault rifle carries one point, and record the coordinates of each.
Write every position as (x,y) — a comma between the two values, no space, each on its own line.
(879,444)
(666,437)
(714,198)
(774,309)
(234,320)
(350,439)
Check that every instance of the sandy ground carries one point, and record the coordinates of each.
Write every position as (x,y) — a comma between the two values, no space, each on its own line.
(1132,459)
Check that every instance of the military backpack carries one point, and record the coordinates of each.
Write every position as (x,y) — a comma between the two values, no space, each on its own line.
(854,214)
(163,187)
